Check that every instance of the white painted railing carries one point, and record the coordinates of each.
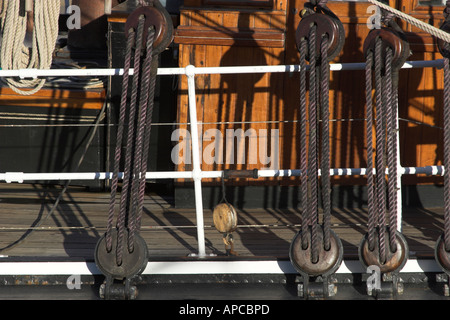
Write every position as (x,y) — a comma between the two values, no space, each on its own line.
(197,174)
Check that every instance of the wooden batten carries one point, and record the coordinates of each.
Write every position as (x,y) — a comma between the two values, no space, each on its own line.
(231,28)
(50,98)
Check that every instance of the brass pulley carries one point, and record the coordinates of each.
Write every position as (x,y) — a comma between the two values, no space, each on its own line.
(225,218)
(225,221)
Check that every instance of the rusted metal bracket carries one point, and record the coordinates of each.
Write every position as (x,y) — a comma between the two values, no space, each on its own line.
(388,286)
(442,257)
(120,274)
(316,288)
(384,283)
(316,275)
(113,289)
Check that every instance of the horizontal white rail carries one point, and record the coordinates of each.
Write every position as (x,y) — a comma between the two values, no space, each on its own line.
(20,177)
(35,73)
(195,267)
(197,174)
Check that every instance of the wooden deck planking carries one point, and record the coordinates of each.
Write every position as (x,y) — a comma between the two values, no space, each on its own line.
(74,228)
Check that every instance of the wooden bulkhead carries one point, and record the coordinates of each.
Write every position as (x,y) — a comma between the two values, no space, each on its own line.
(232,33)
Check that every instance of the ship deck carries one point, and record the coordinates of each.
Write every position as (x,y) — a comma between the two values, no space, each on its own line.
(29,227)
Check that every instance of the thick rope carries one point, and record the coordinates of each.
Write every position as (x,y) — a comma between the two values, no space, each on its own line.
(391,110)
(386,98)
(380,148)
(119,140)
(303,152)
(325,160)
(438,33)
(140,109)
(127,179)
(447,150)
(319,77)
(138,184)
(148,129)
(371,203)
(312,152)
(15,55)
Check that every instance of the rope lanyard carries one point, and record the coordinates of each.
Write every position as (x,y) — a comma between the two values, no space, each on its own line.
(445,50)
(140,109)
(317,111)
(386,98)
(447,149)
(316,250)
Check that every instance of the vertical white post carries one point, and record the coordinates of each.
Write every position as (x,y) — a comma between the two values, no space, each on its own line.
(196,170)
(108,7)
(29,5)
(399,176)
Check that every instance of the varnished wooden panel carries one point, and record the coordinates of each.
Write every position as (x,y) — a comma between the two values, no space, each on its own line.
(275,97)
(61,98)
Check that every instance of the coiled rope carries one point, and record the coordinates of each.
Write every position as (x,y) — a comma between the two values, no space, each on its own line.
(15,54)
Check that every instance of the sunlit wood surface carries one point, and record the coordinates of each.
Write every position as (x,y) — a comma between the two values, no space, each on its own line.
(74,227)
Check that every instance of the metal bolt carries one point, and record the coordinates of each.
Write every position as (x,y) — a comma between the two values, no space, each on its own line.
(332,290)
(300,289)
(133,293)
(102,291)
(400,288)
(303,12)
(387,277)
